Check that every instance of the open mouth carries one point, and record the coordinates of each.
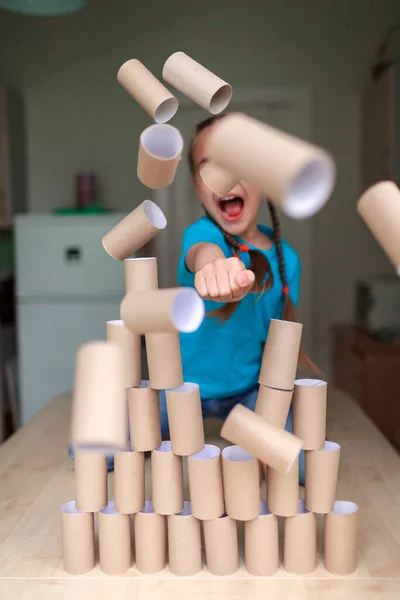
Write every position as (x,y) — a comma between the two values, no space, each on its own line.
(231,208)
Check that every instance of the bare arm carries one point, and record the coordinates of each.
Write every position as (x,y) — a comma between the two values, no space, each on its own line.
(201,254)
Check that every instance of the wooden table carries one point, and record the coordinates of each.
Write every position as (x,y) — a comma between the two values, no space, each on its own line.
(35,479)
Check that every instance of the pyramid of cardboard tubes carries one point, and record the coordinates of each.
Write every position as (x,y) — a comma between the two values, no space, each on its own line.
(116,413)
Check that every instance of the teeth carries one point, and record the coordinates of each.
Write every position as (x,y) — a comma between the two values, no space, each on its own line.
(228,198)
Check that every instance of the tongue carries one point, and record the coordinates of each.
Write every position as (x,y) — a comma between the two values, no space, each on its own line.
(232,207)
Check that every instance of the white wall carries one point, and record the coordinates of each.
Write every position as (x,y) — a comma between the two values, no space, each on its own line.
(78,116)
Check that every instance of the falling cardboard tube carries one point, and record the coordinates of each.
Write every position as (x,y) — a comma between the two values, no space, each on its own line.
(340,542)
(322,468)
(273,405)
(295,175)
(129,482)
(300,542)
(197,83)
(283,491)
(261,543)
(141,274)
(144,417)
(281,354)
(275,447)
(134,231)
(309,412)
(90,481)
(241,482)
(163,311)
(219,180)
(166,477)
(77,540)
(150,540)
(147,90)
(379,207)
(164,360)
(160,150)
(184,543)
(185,419)
(205,483)
(221,545)
(131,348)
(114,541)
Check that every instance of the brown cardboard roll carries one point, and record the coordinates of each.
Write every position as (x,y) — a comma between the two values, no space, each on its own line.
(145,88)
(166,477)
(221,545)
(241,481)
(261,543)
(309,412)
(150,540)
(379,207)
(114,541)
(197,83)
(205,483)
(273,405)
(141,274)
(300,542)
(131,348)
(219,180)
(295,175)
(129,482)
(184,543)
(163,311)
(283,491)
(134,231)
(164,360)
(275,447)
(281,353)
(144,417)
(322,468)
(340,542)
(90,481)
(160,151)
(185,419)
(77,540)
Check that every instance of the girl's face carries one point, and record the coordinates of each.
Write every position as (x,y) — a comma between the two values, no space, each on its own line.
(236,213)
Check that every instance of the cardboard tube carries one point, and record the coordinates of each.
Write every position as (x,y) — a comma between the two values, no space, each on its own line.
(77,540)
(141,274)
(322,468)
(160,151)
(90,481)
(134,231)
(99,410)
(219,180)
(163,311)
(273,405)
(295,175)
(241,481)
(205,483)
(283,491)
(129,482)
(114,541)
(309,412)
(145,88)
(184,543)
(166,477)
(221,545)
(197,83)
(261,543)
(150,540)
(164,360)
(275,447)
(300,542)
(340,543)
(185,419)
(131,348)
(144,417)
(379,207)
(281,354)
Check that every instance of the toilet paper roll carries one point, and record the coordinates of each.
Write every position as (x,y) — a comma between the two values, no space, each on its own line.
(309,412)
(261,543)
(281,354)
(184,543)
(129,482)
(322,468)
(114,541)
(241,482)
(134,231)
(166,477)
(144,417)
(340,543)
(273,405)
(131,347)
(185,419)
(300,542)
(90,481)
(77,540)
(141,274)
(164,360)
(205,483)
(283,491)
(219,180)
(221,545)
(160,150)
(150,540)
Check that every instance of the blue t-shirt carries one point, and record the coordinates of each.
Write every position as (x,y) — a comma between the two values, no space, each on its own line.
(224,359)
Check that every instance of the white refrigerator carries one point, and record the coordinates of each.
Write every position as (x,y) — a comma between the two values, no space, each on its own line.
(68,287)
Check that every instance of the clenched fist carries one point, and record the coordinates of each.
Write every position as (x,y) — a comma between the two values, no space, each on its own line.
(224,280)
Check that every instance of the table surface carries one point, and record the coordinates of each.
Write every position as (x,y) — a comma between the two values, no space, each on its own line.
(35,479)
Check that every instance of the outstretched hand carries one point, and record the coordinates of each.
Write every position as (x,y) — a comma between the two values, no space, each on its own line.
(224,280)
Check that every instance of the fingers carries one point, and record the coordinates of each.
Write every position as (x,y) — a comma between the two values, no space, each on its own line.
(224,280)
